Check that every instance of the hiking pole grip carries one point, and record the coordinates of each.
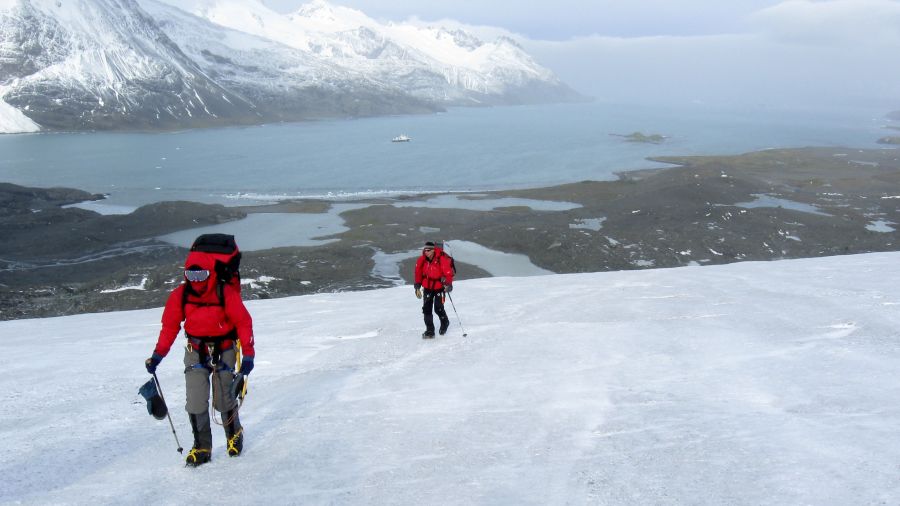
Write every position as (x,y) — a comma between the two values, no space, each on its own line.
(169,415)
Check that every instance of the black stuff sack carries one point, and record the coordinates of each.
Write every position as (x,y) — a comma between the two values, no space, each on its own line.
(156,406)
(238,387)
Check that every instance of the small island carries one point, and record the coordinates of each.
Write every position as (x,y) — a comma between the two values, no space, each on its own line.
(641,137)
(889,140)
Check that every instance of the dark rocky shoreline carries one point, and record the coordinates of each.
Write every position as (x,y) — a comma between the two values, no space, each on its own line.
(58,261)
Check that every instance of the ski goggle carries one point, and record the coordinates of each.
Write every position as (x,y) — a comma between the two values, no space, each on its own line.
(427,248)
(196,276)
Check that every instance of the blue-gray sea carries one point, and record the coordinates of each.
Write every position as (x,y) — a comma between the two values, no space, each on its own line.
(464,149)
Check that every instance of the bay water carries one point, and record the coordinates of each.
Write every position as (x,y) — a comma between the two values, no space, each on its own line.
(464,149)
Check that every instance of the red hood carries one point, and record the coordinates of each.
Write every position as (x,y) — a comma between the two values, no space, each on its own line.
(204,261)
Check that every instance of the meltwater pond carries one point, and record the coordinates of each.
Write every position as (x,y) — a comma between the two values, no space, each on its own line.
(496,263)
(467,149)
(478,202)
(762,200)
(261,231)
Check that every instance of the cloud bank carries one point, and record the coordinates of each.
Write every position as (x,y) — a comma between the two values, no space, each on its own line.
(799,53)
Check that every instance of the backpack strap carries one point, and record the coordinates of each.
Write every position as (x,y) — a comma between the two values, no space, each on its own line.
(184,296)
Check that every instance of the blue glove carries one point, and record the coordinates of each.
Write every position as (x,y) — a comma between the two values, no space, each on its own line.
(448,288)
(152,362)
(246,365)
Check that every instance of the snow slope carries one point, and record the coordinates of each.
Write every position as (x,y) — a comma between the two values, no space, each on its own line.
(12,119)
(748,383)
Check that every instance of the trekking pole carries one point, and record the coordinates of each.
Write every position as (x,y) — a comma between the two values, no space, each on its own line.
(457,314)
(447,247)
(158,389)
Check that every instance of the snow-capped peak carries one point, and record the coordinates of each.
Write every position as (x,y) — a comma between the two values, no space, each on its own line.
(321,16)
(249,16)
(106,64)
(351,39)
(460,37)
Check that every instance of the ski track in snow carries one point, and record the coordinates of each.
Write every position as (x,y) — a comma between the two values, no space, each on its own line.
(738,384)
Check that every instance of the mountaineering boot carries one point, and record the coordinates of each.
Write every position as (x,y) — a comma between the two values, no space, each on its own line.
(201,453)
(234,433)
(197,457)
(445,323)
(236,443)
(428,334)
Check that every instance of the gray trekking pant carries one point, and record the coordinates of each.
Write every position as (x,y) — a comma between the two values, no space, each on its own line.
(199,381)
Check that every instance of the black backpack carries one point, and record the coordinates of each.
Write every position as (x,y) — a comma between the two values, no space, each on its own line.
(444,252)
(224,250)
(226,253)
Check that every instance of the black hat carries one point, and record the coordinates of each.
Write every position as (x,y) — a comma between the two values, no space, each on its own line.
(156,406)
(429,243)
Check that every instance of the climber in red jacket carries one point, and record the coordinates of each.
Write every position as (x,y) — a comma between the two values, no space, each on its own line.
(433,278)
(214,319)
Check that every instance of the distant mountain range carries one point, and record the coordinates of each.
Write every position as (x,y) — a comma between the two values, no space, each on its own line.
(146,64)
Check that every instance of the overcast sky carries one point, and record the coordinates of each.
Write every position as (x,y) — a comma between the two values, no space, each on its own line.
(746,51)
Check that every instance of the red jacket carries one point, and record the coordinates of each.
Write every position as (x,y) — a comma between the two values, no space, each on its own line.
(203,315)
(434,274)
(206,320)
